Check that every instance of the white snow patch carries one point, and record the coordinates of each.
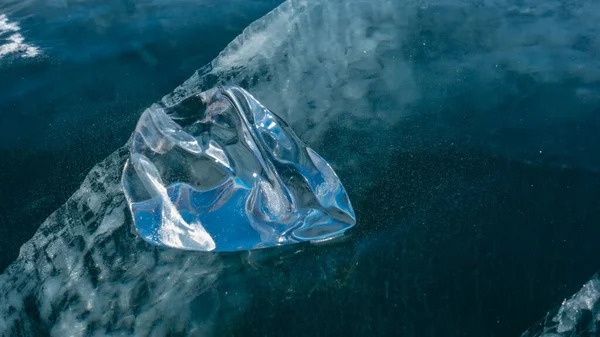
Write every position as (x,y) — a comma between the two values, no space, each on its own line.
(15,42)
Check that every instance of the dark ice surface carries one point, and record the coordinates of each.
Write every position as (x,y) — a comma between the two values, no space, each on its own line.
(477,206)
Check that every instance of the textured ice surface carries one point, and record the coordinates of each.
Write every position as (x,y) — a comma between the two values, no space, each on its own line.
(500,74)
(221,172)
(84,274)
(577,316)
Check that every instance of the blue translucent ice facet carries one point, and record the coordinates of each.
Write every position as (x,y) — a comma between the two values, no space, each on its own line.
(219,171)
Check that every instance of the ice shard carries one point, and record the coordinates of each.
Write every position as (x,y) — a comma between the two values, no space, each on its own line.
(219,171)
(577,316)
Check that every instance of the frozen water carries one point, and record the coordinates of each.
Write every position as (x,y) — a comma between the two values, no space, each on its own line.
(83,120)
(502,75)
(379,69)
(221,172)
(577,316)
(84,274)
